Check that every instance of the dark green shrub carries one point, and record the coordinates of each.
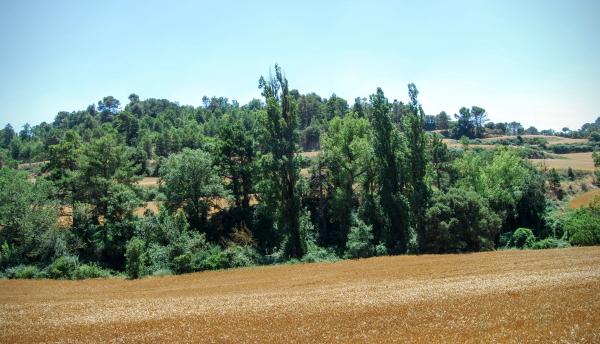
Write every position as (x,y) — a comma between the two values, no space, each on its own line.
(135,257)
(459,221)
(85,271)
(571,148)
(158,258)
(183,263)
(63,267)
(522,238)
(381,249)
(4,254)
(212,258)
(359,244)
(583,227)
(240,256)
(550,243)
(24,272)
(317,254)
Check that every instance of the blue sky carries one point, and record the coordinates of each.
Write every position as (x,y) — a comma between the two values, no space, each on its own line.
(537,62)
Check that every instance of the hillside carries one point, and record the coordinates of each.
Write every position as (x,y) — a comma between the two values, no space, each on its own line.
(548,295)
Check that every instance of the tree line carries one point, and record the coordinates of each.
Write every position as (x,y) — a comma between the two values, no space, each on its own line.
(234,189)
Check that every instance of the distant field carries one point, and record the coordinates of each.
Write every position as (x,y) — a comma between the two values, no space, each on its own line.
(584,199)
(505,296)
(148,182)
(552,140)
(577,161)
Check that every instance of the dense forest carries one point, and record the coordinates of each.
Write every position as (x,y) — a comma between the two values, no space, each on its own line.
(287,178)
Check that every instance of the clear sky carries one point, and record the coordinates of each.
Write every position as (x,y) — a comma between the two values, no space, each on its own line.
(537,62)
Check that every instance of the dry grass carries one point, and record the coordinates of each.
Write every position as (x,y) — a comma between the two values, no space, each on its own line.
(148,182)
(312,154)
(577,161)
(507,296)
(584,199)
(456,143)
(552,140)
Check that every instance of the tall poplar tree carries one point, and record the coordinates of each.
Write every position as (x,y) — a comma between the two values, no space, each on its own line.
(280,143)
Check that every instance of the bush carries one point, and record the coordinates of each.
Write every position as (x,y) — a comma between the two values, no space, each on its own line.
(158,258)
(135,256)
(550,243)
(570,148)
(162,272)
(522,238)
(4,254)
(359,243)
(459,221)
(582,227)
(85,271)
(211,258)
(381,250)
(183,263)
(24,272)
(240,256)
(317,254)
(63,267)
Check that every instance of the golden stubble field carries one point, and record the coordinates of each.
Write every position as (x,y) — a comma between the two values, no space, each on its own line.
(505,296)
(576,161)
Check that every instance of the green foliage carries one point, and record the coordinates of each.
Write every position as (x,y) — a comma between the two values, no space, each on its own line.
(26,214)
(359,244)
(4,254)
(347,153)
(85,271)
(550,243)
(371,183)
(390,151)
(582,227)
(596,158)
(241,256)
(183,263)
(419,191)
(316,254)
(381,250)
(440,162)
(211,258)
(104,162)
(191,183)
(135,256)
(522,238)
(236,156)
(24,272)
(279,140)
(511,185)
(459,221)
(570,148)
(63,267)
(158,258)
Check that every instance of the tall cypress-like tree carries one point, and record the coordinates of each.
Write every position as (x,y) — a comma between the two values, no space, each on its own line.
(419,193)
(280,142)
(235,157)
(388,149)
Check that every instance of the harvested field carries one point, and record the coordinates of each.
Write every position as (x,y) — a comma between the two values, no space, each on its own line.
(577,161)
(311,155)
(148,182)
(456,144)
(30,165)
(584,199)
(552,140)
(504,296)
